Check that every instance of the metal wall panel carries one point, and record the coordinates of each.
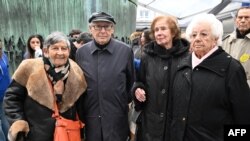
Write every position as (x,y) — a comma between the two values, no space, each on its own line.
(21,18)
(26,17)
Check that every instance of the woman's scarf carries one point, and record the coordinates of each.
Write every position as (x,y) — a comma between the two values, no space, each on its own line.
(56,74)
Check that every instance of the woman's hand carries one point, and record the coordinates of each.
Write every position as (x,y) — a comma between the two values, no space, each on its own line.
(140,95)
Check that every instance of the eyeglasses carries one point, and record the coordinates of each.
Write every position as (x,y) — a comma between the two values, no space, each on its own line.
(99,28)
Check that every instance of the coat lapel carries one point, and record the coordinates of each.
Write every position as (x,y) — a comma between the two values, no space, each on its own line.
(32,75)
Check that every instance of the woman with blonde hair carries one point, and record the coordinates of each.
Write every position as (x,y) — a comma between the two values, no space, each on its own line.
(159,62)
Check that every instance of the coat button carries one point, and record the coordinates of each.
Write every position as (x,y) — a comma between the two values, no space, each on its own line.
(161,115)
(183,118)
(165,67)
(163,91)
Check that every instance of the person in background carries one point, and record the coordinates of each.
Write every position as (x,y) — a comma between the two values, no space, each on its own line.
(152,90)
(135,40)
(74,34)
(109,71)
(135,45)
(133,115)
(145,38)
(37,84)
(210,89)
(4,83)
(237,44)
(83,38)
(34,47)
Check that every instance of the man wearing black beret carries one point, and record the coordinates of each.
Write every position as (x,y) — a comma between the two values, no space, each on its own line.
(109,71)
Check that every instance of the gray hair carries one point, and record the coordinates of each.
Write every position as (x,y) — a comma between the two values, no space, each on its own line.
(54,38)
(215,24)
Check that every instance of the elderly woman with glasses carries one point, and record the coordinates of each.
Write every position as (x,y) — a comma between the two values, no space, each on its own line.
(210,89)
(39,83)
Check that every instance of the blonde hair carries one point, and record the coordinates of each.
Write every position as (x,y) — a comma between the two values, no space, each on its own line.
(135,35)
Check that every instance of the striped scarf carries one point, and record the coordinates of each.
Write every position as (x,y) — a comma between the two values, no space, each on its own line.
(55,74)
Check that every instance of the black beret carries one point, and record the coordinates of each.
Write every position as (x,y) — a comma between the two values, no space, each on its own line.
(101,16)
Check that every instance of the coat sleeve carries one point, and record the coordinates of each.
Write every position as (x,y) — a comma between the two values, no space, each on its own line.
(239,95)
(14,102)
(13,108)
(130,75)
(140,83)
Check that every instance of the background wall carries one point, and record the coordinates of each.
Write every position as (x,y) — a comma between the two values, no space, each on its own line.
(21,18)
(25,17)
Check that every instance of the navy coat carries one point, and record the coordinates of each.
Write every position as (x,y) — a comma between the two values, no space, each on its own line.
(109,73)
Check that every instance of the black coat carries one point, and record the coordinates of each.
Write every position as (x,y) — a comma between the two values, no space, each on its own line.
(29,102)
(157,68)
(206,98)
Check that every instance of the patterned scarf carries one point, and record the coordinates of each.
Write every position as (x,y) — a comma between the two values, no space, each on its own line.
(55,74)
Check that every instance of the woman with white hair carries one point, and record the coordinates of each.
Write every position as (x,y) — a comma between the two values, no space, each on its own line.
(210,89)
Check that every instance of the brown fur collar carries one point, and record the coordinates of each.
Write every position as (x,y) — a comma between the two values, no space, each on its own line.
(17,127)
(31,74)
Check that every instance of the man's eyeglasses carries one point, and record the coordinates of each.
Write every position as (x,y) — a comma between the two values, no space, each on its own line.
(99,28)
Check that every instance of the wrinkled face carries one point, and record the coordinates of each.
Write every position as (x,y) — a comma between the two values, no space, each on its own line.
(162,34)
(101,31)
(35,42)
(202,40)
(242,21)
(57,53)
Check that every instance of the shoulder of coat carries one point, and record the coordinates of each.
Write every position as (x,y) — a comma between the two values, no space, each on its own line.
(227,36)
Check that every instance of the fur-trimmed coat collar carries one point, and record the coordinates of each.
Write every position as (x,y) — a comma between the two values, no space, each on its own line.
(32,75)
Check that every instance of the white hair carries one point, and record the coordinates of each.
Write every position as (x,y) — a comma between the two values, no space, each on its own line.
(215,24)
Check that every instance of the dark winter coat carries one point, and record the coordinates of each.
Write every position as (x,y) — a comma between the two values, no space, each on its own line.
(110,75)
(157,68)
(214,94)
(28,102)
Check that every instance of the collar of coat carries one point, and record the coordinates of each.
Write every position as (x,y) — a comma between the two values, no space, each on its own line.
(110,47)
(217,62)
(180,46)
(233,37)
(31,74)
